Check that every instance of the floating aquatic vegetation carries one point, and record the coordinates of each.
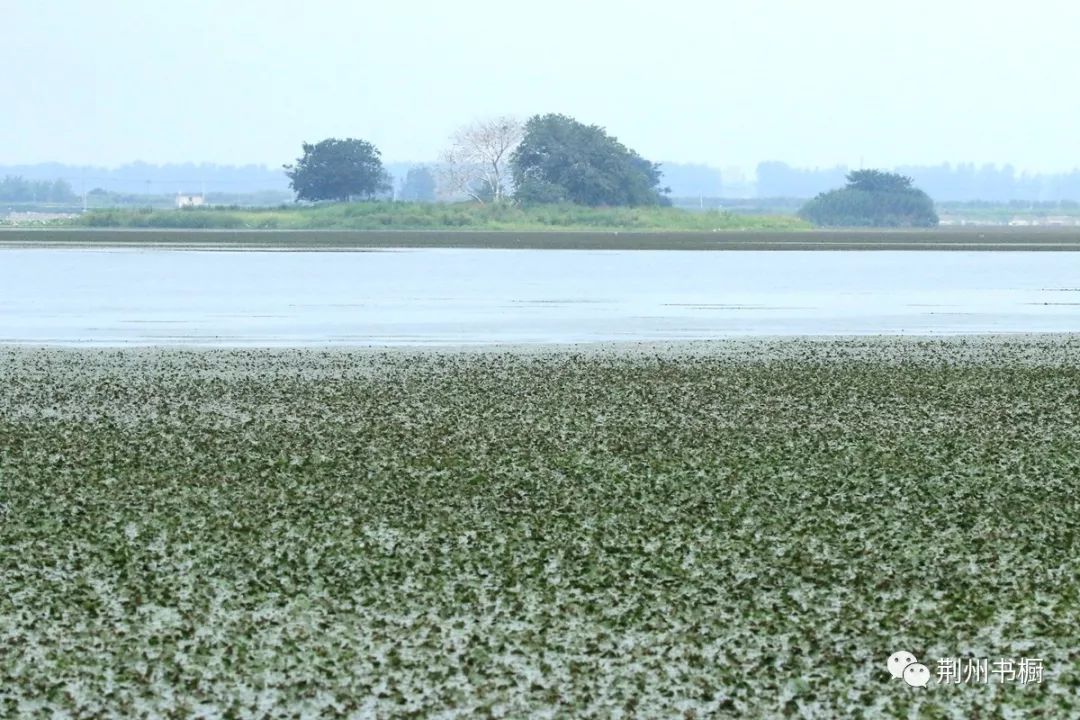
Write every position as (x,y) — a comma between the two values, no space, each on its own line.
(742,529)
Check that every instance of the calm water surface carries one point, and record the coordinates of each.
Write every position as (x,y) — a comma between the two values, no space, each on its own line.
(119,297)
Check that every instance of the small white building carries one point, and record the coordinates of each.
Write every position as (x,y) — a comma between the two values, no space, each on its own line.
(183,201)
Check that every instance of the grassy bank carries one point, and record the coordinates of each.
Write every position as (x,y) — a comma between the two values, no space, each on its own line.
(748,531)
(441,216)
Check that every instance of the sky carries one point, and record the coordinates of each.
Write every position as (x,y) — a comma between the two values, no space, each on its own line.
(729,84)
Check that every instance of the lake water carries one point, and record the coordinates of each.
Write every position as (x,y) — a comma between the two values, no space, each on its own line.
(120,297)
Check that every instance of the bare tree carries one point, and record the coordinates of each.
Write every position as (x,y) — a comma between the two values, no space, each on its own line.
(476,164)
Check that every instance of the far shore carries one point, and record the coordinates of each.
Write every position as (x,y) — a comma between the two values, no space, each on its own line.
(984,239)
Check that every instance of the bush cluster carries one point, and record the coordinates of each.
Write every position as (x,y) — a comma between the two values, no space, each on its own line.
(872,199)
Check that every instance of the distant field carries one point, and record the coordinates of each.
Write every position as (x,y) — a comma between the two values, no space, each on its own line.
(938,239)
(735,530)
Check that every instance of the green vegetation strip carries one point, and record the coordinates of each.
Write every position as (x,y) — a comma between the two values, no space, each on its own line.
(747,529)
(437,216)
(942,239)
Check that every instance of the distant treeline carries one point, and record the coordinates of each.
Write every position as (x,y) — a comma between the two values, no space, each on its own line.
(141,180)
(146,179)
(14,188)
(944,183)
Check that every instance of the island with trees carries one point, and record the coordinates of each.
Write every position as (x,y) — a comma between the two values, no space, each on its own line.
(551,172)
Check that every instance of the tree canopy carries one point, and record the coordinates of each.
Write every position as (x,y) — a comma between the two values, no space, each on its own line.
(878,181)
(419,185)
(475,165)
(338,170)
(562,160)
(872,198)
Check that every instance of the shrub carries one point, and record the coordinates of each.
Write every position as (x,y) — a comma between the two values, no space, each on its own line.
(872,199)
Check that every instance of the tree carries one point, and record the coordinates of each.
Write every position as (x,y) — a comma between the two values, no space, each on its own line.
(15,188)
(476,162)
(872,198)
(419,185)
(562,160)
(878,181)
(338,170)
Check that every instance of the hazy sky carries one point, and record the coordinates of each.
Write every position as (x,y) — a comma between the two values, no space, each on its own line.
(724,83)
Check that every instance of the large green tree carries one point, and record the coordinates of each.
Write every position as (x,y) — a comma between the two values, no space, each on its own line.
(562,160)
(872,198)
(338,170)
